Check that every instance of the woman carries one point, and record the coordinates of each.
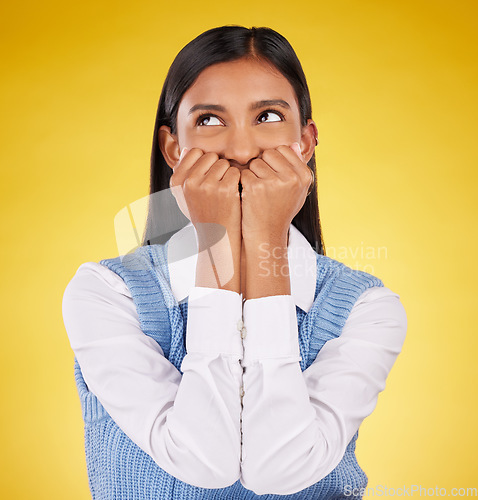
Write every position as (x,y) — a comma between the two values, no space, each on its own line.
(244,367)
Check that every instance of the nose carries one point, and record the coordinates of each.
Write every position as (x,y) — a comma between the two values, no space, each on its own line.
(241,147)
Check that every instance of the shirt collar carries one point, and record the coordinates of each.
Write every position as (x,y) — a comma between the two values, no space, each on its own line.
(182,259)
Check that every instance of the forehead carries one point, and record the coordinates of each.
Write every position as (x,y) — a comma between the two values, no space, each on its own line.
(239,82)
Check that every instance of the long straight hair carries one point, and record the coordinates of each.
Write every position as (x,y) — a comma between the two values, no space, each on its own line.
(223,44)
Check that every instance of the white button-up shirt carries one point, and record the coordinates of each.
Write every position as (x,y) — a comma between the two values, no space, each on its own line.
(242,409)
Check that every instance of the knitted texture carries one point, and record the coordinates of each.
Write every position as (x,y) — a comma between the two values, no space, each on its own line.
(119,470)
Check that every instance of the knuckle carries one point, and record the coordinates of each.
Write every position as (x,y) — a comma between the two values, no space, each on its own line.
(210,155)
(235,173)
(221,162)
(259,187)
(255,163)
(208,183)
(296,180)
(268,154)
(190,184)
(223,189)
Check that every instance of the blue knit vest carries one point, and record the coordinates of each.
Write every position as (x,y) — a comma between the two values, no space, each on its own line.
(119,470)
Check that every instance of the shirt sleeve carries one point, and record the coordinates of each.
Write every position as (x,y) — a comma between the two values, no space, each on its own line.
(189,424)
(296,425)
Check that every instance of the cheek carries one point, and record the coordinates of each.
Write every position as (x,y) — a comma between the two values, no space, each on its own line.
(206,142)
(277,136)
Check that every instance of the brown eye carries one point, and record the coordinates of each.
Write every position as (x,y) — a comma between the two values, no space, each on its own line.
(270,116)
(205,120)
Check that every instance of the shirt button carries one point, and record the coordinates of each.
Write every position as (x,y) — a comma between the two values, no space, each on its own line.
(243,332)
(240,325)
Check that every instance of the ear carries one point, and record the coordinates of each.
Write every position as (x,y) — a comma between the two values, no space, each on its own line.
(307,140)
(169,146)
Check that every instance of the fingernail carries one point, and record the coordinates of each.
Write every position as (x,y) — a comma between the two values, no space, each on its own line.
(183,152)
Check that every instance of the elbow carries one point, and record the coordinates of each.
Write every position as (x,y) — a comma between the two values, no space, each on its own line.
(219,471)
(261,484)
(293,467)
(211,476)
(198,455)
(213,468)
(224,478)
(286,477)
(264,482)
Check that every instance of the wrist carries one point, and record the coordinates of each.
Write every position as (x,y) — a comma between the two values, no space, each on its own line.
(267,268)
(211,234)
(219,260)
(271,238)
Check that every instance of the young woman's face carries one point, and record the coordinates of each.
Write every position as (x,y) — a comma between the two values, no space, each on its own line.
(238,109)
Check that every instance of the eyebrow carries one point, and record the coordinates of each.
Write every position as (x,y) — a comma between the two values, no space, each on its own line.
(252,107)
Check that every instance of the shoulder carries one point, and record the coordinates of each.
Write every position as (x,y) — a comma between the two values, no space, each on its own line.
(380,301)
(375,304)
(333,269)
(340,286)
(377,316)
(96,305)
(92,277)
(369,302)
(373,334)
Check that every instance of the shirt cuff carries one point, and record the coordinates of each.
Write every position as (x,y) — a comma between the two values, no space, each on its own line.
(271,329)
(213,318)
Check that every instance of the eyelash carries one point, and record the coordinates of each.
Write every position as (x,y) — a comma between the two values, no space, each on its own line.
(205,115)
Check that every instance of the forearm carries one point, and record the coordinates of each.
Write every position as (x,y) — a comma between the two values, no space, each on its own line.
(284,450)
(200,433)
(267,266)
(219,259)
(297,425)
(188,424)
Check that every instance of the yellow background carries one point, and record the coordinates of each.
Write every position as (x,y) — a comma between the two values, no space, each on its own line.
(393,87)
